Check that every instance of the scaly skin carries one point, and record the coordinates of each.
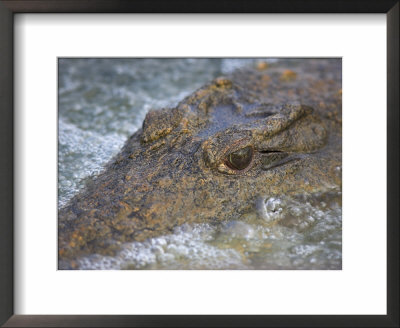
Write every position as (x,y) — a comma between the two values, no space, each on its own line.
(177,168)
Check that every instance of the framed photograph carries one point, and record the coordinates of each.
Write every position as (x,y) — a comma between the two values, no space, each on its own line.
(214,164)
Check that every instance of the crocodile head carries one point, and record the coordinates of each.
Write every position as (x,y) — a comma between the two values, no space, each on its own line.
(211,158)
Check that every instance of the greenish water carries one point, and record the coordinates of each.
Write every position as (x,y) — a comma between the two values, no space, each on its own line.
(103,101)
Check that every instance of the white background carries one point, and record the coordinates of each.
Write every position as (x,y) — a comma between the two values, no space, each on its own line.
(360,288)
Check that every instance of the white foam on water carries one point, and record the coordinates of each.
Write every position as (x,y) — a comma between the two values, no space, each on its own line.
(84,154)
(310,244)
(186,248)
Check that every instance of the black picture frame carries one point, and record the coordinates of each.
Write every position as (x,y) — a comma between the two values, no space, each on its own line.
(10,7)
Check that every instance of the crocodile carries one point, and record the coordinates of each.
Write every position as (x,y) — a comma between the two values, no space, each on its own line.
(261,130)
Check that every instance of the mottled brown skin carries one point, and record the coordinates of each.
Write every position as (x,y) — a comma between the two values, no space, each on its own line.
(177,169)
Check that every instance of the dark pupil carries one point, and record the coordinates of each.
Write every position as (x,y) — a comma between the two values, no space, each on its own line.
(241,158)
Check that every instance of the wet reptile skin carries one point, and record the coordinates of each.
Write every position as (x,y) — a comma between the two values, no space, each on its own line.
(286,118)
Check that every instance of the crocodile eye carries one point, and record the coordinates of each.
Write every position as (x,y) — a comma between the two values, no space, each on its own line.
(240,159)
